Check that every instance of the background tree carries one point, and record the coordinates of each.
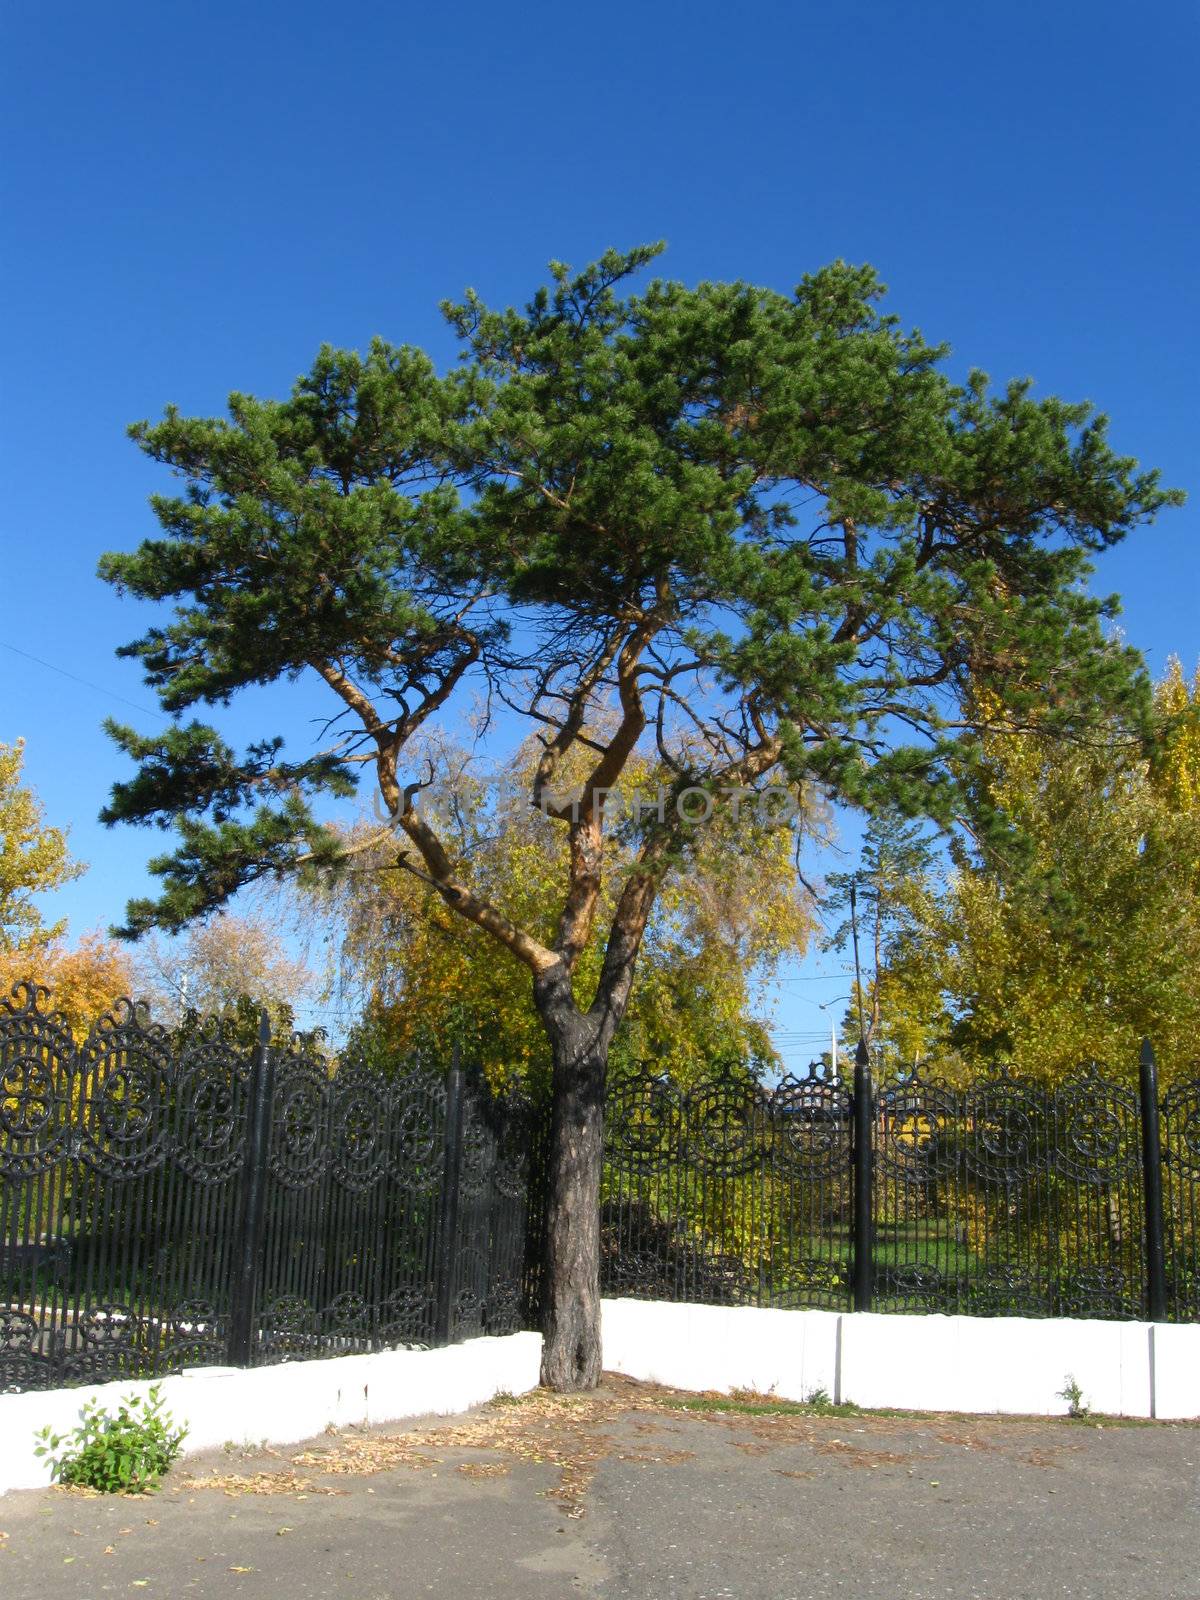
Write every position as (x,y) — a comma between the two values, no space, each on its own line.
(1084,940)
(894,888)
(227,966)
(765,534)
(1176,754)
(33,859)
(406,963)
(85,980)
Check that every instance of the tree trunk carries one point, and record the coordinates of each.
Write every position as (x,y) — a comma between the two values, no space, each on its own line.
(571,1279)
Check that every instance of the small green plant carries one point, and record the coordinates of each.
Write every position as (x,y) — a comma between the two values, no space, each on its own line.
(125,1454)
(820,1400)
(1077,1406)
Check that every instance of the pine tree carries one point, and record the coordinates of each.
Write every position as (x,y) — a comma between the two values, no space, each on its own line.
(765,534)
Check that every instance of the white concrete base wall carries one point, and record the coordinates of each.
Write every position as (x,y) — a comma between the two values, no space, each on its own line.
(284,1404)
(919,1363)
(786,1353)
(1176,1370)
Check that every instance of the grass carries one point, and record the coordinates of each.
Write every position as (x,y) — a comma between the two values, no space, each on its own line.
(742,1403)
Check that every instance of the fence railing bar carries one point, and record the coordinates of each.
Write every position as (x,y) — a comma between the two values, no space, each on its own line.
(864,1172)
(1152,1192)
(443,1311)
(245,1282)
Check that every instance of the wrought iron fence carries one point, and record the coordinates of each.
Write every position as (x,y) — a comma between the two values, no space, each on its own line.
(168,1199)
(726,1192)
(1003,1197)
(174,1198)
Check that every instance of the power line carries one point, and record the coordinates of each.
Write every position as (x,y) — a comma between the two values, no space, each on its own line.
(820,977)
(86,682)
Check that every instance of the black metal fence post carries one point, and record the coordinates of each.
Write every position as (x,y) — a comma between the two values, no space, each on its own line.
(248,1260)
(1156,1277)
(447,1239)
(864,1109)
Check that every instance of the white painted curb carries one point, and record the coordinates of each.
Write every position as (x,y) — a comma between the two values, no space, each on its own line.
(1010,1365)
(284,1404)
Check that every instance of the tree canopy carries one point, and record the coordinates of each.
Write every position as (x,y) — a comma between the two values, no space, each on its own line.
(85,979)
(772,522)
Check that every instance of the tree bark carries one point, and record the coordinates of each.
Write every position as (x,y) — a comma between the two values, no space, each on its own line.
(571,1355)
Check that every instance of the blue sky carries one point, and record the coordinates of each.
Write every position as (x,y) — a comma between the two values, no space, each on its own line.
(196,195)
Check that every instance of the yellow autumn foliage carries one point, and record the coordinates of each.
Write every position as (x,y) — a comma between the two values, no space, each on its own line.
(85,981)
(730,912)
(1093,942)
(33,858)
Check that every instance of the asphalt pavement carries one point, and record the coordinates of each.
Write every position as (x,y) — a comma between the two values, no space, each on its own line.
(630,1494)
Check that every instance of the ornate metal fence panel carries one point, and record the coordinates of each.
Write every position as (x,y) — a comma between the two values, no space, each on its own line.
(172,1199)
(484,1261)
(1009,1197)
(1181,1194)
(355,1173)
(120,1164)
(725,1192)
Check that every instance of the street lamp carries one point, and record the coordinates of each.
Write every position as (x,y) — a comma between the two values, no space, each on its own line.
(824,1005)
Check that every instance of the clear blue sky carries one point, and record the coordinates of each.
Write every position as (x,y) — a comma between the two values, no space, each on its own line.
(197,194)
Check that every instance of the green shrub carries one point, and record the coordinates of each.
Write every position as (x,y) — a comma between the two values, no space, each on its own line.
(125,1454)
(1071,1392)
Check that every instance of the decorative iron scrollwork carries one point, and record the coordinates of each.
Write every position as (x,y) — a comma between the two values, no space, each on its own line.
(1099,1141)
(360,1128)
(127,1166)
(347,1318)
(124,1262)
(1002,1289)
(210,1109)
(418,1121)
(127,1081)
(1181,1129)
(108,1326)
(725,1125)
(36,1069)
(512,1149)
(917,1122)
(22,1365)
(406,1316)
(289,1327)
(813,1282)
(471,1273)
(300,1143)
(1098,1291)
(196,1334)
(477,1153)
(1006,1128)
(502,1313)
(916,1285)
(811,1120)
(643,1123)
